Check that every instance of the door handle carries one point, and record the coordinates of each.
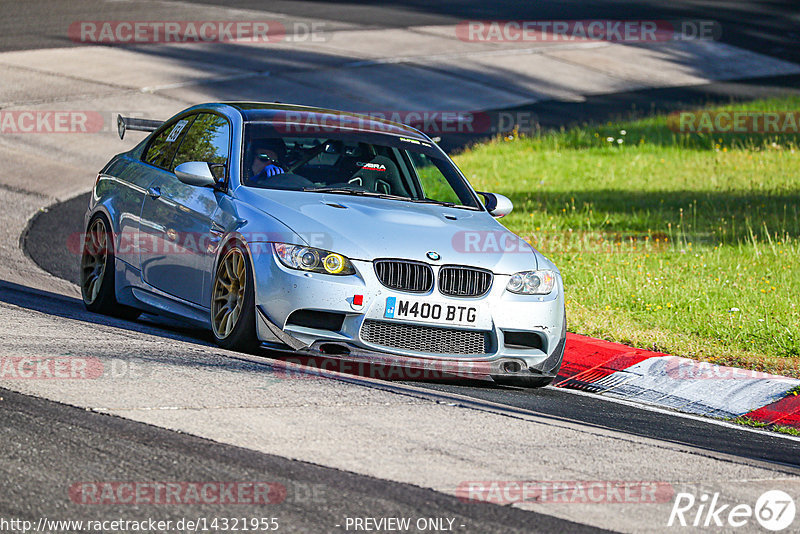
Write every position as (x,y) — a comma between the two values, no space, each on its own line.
(154,192)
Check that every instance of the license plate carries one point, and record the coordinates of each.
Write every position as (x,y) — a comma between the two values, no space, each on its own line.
(431,312)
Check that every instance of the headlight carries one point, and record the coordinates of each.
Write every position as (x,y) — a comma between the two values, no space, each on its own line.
(532,282)
(313,259)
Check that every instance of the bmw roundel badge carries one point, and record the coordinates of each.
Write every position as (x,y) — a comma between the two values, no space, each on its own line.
(433,255)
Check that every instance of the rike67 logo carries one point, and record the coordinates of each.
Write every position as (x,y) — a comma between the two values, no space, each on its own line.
(774,510)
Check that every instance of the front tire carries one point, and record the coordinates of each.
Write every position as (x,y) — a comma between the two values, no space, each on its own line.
(97,272)
(233,310)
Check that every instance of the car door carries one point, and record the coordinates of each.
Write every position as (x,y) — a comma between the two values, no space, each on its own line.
(177,218)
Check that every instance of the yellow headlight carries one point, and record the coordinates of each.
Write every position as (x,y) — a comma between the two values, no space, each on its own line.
(334,263)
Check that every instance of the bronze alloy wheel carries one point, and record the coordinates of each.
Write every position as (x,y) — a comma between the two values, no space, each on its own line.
(97,272)
(229,293)
(93,260)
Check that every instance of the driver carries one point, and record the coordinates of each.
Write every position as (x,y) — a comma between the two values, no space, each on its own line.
(267,155)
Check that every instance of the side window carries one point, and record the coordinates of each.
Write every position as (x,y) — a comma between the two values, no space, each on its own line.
(207,140)
(162,148)
(434,184)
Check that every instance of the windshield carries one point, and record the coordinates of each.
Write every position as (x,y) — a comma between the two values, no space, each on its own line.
(362,163)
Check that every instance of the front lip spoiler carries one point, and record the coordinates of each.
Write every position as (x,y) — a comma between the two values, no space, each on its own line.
(278,334)
(455,368)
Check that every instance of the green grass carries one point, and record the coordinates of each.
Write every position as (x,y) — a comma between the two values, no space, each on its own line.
(746,421)
(685,243)
(792,431)
(783,429)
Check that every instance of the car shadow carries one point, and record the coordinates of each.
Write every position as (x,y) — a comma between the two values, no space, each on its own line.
(71,308)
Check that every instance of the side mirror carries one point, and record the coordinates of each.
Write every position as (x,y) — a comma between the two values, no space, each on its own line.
(496,204)
(195,173)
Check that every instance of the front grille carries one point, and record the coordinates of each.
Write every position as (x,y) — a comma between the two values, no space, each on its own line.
(457,281)
(405,275)
(430,339)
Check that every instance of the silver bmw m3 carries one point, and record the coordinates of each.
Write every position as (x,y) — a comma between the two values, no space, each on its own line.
(319,232)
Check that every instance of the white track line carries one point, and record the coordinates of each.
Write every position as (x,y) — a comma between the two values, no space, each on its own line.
(693,417)
(478,403)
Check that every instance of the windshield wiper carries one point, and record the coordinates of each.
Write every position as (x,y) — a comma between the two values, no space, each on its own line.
(348,191)
(437,202)
(361,192)
(338,190)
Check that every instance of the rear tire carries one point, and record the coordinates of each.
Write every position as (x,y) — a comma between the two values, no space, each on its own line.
(233,309)
(98,267)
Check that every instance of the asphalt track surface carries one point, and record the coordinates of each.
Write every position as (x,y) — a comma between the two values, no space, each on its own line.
(770,27)
(45,444)
(44,240)
(47,447)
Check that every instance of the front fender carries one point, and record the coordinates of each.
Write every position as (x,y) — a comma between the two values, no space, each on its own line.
(254,229)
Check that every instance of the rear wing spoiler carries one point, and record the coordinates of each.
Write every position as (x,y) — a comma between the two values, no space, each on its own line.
(139,125)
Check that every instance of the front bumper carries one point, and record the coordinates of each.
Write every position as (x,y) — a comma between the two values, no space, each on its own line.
(281,291)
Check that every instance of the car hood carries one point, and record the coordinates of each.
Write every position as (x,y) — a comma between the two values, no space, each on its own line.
(367,228)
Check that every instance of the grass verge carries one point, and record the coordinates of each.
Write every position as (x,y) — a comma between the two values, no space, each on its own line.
(783,429)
